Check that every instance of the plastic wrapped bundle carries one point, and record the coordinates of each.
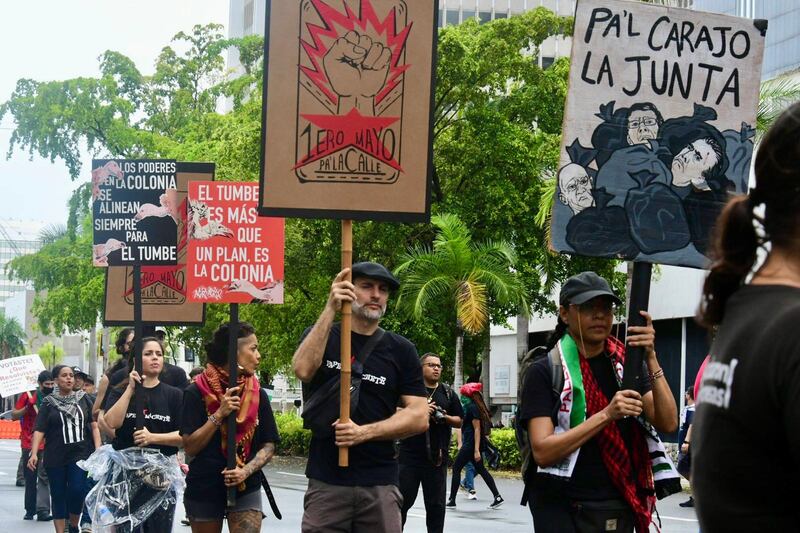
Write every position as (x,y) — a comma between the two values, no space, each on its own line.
(131,485)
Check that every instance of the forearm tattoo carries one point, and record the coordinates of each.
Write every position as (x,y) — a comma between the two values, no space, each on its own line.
(260,459)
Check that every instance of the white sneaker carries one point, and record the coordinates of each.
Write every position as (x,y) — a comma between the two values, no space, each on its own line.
(472,495)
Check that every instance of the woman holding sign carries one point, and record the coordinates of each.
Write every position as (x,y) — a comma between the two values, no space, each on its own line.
(207,403)
(71,435)
(746,436)
(161,421)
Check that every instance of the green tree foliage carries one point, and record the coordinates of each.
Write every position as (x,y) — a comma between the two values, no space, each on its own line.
(467,275)
(497,131)
(12,337)
(51,354)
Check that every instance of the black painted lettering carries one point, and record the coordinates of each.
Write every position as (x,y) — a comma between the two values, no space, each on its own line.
(741,35)
(710,70)
(654,80)
(731,86)
(638,60)
(722,31)
(650,42)
(585,70)
(600,14)
(676,77)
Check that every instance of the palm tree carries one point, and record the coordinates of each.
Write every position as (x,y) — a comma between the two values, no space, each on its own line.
(12,337)
(465,274)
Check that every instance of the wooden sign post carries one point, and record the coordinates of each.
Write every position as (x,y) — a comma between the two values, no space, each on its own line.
(348,93)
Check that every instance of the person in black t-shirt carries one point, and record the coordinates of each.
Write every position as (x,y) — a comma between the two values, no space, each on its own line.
(423,458)
(207,403)
(123,345)
(65,423)
(363,496)
(745,437)
(162,410)
(587,459)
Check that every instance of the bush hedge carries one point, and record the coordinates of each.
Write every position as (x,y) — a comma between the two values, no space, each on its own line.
(295,441)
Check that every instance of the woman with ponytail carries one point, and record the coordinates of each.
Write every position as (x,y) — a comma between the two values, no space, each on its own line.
(474,430)
(207,403)
(746,433)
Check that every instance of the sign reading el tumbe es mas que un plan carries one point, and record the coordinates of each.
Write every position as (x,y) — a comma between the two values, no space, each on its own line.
(136,211)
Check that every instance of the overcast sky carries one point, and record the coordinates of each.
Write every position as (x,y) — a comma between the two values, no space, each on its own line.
(61,39)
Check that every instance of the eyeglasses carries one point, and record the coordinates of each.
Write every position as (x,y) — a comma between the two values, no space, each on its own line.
(649,122)
(433,365)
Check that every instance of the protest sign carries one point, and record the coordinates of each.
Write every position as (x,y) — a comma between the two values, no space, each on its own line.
(164,288)
(658,129)
(19,374)
(235,256)
(135,210)
(348,92)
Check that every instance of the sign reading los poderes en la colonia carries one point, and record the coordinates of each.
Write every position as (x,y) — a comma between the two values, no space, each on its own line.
(136,211)
(347,109)
(658,130)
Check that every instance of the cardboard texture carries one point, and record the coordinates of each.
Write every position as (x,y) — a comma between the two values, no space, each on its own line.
(658,129)
(348,88)
(235,256)
(164,288)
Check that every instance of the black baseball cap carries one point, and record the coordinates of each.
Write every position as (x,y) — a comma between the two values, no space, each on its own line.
(582,287)
(368,269)
(78,372)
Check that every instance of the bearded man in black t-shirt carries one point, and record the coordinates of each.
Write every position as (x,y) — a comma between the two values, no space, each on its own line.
(363,496)
(423,458)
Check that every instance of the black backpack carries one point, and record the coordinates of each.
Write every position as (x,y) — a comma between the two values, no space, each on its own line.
(520,430)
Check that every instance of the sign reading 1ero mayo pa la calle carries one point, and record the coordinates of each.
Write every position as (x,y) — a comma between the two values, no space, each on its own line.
(136,212)
(234,255)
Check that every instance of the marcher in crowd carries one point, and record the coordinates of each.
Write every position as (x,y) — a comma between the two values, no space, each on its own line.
(745,438)
(423,458)
(163,405)
(207,403)
(684,438)
(88,386)
(193,373)
(80,378)
(65,423)
(364,497)
(37,488)
(592,466)
(474,431)
(468,483)
(123,345)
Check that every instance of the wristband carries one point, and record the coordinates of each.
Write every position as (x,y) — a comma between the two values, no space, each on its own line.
(657,374)
(214,420)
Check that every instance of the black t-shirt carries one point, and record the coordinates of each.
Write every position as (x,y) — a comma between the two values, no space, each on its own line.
(467,429)
(746,436)
(689,414)
(172,375)
(414,450)
(162,414)
(66,440)
(590,479)
(204,481)
(392,370)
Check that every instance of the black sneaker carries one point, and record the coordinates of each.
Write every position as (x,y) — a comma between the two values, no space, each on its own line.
(20,483)
(185,522)
(74,529)
(498,501)
(43,517)
(687,503)
(28,516)
(450,503)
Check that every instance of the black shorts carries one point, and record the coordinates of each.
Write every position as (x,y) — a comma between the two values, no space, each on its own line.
(214,510)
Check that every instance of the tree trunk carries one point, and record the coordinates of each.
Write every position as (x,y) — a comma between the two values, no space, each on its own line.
(92,357)
(458,372)
(485,366)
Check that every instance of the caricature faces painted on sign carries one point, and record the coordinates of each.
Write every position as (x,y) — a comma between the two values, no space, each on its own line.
(643,123)
(691,163)
(575,188)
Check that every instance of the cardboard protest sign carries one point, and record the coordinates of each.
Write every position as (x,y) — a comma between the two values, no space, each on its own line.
(235,256)
(19,374)
(164,288)
(135,210)
(348,92)
(658,128)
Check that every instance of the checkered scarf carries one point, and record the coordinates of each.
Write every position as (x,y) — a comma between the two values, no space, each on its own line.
(630,470)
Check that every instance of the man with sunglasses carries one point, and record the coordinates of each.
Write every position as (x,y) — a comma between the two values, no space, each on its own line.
(598,457)
(423,458)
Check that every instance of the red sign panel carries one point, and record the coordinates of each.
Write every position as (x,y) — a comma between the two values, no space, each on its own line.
(234,256)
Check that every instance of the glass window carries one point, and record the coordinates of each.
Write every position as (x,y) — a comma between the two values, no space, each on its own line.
(500,15)
(248,17)
(484,16)
(547,61)
(452,17)
(441,18)
(466,15)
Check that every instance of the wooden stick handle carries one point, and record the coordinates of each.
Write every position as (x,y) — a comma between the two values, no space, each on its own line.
(345,350)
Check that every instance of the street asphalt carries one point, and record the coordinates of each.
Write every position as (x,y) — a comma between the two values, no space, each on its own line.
(288,483)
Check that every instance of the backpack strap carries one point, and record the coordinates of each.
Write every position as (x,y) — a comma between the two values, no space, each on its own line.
(557,378)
